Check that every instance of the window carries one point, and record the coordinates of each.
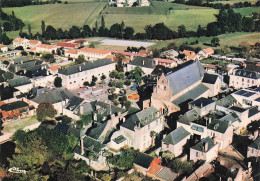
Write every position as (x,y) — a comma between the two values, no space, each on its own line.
(242,80)
(252,150)
(253,82)
(167,146)
(197,154)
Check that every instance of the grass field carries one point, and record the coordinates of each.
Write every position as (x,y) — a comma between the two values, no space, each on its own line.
(235,1)
(247,11)
(139,17)
(58,15)
(232,39)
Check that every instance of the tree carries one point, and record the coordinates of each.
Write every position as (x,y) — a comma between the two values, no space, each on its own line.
(136,74)
(128,104)
(120,75)
(181,31)
(120,84)
(119,62)
(128,33)
(92,45)
(113,74)
(58,82)
(80,59)
(102,22)
(122,28)
(86,83)
(152,134)
(48,57)
(50,32)
(115,31)
(7,26)
(24,53)
(29,31)
(74,32)
(248,24)
(94,78)
(43,28)
(103,77)
(86,32)
(215,42)
(45,109)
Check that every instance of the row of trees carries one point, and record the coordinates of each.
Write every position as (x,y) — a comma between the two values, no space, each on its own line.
(12,23)
(20,3)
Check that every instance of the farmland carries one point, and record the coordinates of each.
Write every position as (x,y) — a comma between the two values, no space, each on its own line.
(58,15)
(247,11)
(139,17)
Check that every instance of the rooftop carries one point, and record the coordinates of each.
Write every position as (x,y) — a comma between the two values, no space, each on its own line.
(255,144)
(200,146)
(218,126)
(94,50)
(201,102)
(176,136)
(210,78)
(143,160)
(143,62)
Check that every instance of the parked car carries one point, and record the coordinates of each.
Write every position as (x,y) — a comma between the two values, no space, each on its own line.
(134,87)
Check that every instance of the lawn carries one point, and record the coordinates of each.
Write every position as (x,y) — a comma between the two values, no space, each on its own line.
(231,39)
(14,125)
(191,18)
(58,15)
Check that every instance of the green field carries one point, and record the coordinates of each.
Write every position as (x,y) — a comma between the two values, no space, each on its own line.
(247,11)
(231,39)
(235,1)
(139,17)
(58,15)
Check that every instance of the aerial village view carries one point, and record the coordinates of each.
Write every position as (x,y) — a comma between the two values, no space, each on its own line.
(129,90)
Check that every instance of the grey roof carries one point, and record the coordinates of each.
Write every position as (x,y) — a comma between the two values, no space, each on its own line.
(14,105)
(252,111)
(255,144)
(167,174)
(143,160)
(85,66)
(245,93)
(233,117)
(201,102)
(141,118)
(90,144)
(191,94)
(73,103)
(200,146)
(21,60)
(218,126)
(109,109)
(143,62)
(210,78)
(237,109)
(247,74)
(97,131)
(19,81)
(226,101)
(52,96)
(185,77)
(176,136)
(189,116)
(89,107)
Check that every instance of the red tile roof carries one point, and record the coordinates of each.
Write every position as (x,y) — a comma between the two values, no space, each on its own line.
(154,169)
(210,66)
(146,52)
(72,51)
(34,41)
(80,41)
(163,60)
(94,50)
(208,51)
(112,57)
(188,53)
(156,161)
(19,39)
(46,46)
(55,67)
(67,45)
(2,46)
(130,54)
(1,103)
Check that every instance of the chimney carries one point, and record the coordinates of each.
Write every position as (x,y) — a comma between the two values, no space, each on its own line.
(201,105)
(82,146)
(143,62)
(206,146)
(80,68)
(210,120)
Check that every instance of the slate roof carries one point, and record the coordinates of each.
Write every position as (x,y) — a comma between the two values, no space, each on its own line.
(226,101)
(109,108)
(14,105)
(255,144)
(139,118)
(143,62)
(73,103)
(237,109)
(92,144)
(188,117)
(85,66)
(6,92)
(52,96)
(233,117)
(247,74)
(199,146)
(89,107)
(191,94)
(185,76)
(176,136)
(201,102)
(167,174)
(143,160)
(21,60)
(210,78)
(19,81)
(97,131)
(252,111)
(218,126)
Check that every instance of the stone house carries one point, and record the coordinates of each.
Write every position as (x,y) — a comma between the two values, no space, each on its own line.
(254,149)
(213,82)
(175,141)
(204,150)
(244,78)
(147,64)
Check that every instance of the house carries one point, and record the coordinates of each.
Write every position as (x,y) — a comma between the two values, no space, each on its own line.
(203,106)
(254,149)
(204,150)
(23,84)
(20,42)
(248,97)
(244,78)
(81,42)
(67,45)
(221,132)
(166,174)
(165,62)
(175,141)
(74,76)
(91,150)
(205,53)
(54,69)
(213,82)
(189,55)
(71,53)
(33,43)
(93,53)
(169,54)
(138,127)
(210,68)
(15,110)
(41,48)
(3,48)
(9,54)
(8,93)
(147,64)
(143,162)
(57,97)
(179,86)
